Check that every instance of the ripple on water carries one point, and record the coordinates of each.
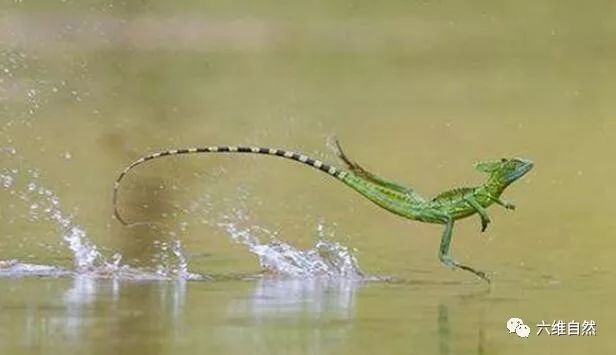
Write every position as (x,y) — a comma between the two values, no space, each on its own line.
(15,269)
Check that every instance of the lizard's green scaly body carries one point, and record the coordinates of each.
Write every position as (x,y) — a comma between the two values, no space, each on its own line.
(445,208)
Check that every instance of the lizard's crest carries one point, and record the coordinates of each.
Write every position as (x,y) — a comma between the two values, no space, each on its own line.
(505,170)
(488,166)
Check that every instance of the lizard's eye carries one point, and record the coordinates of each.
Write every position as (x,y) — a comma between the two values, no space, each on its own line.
(503,160)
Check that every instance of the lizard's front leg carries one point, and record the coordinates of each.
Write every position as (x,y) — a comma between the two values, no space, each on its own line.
(485,219)
(507,205)
(443,254)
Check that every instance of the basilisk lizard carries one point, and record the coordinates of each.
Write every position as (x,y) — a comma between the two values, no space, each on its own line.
(444,209)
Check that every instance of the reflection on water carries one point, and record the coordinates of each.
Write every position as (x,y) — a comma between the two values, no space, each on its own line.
(77,300)
(316,296)
(274,297)
(263,316)
(444,330)
(309,316)
(465,304)
(91,313)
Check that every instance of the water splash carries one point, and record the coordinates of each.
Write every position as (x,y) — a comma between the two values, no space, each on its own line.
(171,260)
(88,260)
(326,258)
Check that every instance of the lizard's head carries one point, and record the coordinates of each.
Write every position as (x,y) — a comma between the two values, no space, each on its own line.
(505,170)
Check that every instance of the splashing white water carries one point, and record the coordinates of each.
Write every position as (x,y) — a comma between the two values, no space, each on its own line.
(44,204)
(171,260)
(326,258)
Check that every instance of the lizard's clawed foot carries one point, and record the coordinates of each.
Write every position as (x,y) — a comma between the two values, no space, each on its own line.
(484,224)
(480,274)
(509,206)
(454,264)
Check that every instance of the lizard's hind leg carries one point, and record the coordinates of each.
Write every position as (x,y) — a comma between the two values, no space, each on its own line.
(358,170)
(443,254)
(353,166)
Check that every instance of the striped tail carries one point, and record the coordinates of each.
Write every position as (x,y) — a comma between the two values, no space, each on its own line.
(317,164)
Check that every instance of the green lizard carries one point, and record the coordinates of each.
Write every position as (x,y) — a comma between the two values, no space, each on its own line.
(445,208)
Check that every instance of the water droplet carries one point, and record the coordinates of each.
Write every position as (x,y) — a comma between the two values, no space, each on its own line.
(6,181)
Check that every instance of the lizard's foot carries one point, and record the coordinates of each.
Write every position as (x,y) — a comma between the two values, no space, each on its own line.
(480,274)
(509,206)
(448,261)
(484,224)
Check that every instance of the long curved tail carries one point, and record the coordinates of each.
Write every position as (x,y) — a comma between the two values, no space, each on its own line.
(317,164)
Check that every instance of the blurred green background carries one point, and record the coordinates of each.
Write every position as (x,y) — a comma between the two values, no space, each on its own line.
(416,90)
